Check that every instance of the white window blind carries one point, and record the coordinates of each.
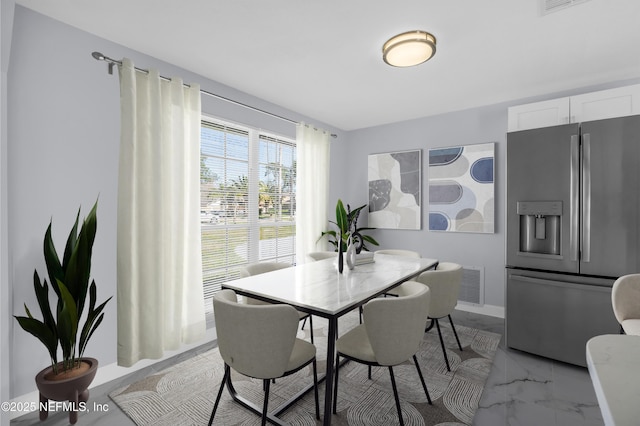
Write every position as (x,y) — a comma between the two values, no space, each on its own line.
(247,207)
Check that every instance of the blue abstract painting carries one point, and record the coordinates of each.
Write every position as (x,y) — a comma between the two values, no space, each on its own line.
(461,188)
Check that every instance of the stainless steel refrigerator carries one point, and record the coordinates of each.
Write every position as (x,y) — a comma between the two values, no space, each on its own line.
(573,227)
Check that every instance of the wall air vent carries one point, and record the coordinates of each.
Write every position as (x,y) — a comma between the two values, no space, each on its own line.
(549,6)
(472,287)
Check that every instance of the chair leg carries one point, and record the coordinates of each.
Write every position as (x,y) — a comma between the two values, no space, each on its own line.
(444,350)
(266,383)
(454,332)
(315,389)
(430,326)
(335,386)
(395,394)
(227,371)
(369,372)
(424,385)
(304,321)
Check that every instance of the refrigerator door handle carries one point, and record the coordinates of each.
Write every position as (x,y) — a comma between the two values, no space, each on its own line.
(586,198)
(574,196)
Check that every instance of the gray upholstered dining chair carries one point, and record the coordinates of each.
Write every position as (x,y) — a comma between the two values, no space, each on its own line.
(260,341)
(263,267)
(625,300)
(396,252)
(444,283)
(399,252)
(390,335)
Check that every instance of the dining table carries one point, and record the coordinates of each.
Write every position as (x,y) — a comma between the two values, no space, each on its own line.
(318,288)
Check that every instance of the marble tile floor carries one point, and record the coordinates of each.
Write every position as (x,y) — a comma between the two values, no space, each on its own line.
(522,389)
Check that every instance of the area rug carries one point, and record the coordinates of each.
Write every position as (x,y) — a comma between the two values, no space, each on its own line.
(184,393)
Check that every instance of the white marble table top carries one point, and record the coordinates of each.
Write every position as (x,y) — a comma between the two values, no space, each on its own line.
(319,288)
(614,366)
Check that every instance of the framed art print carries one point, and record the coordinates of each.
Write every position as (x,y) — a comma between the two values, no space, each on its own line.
(461,188)
(395,190)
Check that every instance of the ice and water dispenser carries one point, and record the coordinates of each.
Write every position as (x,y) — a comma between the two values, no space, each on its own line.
(540,227)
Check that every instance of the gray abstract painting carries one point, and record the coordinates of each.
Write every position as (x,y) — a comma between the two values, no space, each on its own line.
(394,190)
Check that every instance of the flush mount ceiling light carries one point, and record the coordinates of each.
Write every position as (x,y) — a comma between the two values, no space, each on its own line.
(409,49)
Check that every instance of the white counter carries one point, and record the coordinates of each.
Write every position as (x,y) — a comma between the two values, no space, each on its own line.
(614,365)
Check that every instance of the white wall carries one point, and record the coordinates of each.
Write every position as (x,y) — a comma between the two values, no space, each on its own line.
(63,137)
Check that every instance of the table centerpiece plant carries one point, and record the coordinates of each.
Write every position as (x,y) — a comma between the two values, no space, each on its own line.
(347,226)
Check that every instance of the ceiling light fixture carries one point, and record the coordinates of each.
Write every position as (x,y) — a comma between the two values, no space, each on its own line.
(409,49)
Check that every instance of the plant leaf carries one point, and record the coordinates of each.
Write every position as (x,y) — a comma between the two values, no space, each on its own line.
(79,267)
(83,345)
(42,294)
(370,240)
(54,268)
(67,322)
(89,327)
(341,218)
(72,240)
(38,329)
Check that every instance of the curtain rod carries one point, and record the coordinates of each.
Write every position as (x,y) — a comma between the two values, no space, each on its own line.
(100,57)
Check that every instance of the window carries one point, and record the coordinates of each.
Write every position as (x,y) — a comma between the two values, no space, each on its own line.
(247,201)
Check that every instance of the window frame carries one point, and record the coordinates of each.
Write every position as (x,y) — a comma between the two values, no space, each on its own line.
(254,224)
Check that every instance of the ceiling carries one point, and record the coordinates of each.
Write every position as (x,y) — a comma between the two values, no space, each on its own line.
(323,58)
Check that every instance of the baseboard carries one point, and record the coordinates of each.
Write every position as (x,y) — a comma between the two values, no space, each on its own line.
(106,374)
(491,310)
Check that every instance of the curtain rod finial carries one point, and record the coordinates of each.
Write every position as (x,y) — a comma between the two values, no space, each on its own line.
(98,56)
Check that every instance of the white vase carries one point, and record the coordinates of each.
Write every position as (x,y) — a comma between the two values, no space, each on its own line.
(350,255)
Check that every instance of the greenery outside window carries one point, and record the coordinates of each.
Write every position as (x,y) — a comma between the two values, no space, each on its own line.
(247,200)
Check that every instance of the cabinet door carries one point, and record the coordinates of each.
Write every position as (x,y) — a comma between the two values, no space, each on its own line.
(538,114)
(611,103)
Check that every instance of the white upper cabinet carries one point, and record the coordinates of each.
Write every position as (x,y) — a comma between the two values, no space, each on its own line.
(576,109)
(606,104)
(539,114)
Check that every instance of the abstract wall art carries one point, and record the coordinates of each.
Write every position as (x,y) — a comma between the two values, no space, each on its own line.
(461,188)
(395,190)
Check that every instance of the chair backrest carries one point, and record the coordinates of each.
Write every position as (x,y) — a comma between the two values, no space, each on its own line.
(395,325)
(257,269)
(444,283)
(254,340)
(399,252)
(625,297)
(320,255)
(261,268)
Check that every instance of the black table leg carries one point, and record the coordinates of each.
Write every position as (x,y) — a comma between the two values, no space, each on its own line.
(331,356)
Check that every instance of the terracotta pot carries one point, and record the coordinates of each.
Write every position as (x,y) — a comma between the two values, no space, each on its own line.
(74,389)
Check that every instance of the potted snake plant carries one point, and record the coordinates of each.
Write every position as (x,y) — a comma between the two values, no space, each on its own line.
(68,378)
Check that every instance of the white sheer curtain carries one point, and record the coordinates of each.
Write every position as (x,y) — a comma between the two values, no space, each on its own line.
(312,189)
(160,296)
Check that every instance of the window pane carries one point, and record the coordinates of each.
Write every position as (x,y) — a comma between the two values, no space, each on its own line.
(277,242)
(224,251)
(225,205)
